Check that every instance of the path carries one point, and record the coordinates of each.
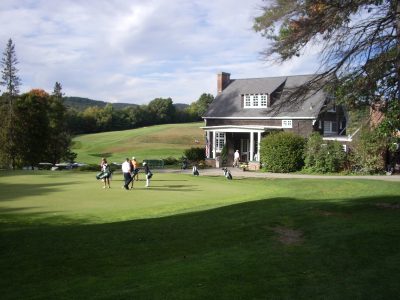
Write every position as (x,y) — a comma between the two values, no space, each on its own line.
(239,173)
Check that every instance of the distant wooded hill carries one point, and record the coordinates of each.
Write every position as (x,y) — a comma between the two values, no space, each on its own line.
(80,104)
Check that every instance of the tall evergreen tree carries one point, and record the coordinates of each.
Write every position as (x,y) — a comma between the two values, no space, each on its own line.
(9,76)
(59,142)
(11,82)
(57,92)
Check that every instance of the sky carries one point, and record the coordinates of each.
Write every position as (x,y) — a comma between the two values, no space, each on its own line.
(134,51)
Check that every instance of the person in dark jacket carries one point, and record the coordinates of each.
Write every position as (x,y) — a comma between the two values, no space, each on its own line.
(148,173)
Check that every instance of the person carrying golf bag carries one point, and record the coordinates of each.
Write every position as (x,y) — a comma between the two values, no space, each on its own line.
(148,173)
(195,171)
(105,173)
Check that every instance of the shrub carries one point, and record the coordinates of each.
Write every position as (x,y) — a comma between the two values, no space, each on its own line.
(90,167)
(313,146)
(282,152)
(224,155)
(368,152)
(195,154)
(171,161)
(323,156)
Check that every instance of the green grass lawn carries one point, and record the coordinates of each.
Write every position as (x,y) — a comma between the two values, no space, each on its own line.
(63,237)
(154,142)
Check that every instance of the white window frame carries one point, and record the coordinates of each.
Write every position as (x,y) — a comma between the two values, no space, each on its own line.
(328,125)
(287,124)
(220,141)
(247,101)
(263,100)
(255,100)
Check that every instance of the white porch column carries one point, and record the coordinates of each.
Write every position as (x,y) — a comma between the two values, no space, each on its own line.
(251,145)
(213,146)
(209,144)
(258,146)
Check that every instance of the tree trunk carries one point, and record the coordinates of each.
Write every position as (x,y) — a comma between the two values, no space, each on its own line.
(396,7)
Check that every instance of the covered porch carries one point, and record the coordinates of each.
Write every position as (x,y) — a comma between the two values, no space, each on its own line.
(246,139)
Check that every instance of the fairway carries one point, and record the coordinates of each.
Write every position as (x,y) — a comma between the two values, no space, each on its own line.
(153,142)
(64,237)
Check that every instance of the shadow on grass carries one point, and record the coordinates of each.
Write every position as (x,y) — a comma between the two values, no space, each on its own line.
(105,154)
(9,173)
(17,190)
(349,250)
(171,188)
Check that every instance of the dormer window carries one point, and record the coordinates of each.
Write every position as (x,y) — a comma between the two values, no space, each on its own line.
(255,100)
(263,100)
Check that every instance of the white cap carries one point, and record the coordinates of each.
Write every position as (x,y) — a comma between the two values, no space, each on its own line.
(144,163)
(133,157)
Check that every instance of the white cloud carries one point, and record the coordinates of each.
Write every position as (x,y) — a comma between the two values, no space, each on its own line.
(135,51)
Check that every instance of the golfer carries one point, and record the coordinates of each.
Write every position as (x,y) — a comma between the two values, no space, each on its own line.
(148,174)
(126,170)
(135,171)
(105,168)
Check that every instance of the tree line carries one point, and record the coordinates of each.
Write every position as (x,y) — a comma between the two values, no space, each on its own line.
(38,127)
(158,111)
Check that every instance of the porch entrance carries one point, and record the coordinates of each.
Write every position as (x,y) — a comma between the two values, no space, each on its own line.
(244,138)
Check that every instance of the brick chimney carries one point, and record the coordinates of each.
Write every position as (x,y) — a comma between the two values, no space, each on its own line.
(223,80)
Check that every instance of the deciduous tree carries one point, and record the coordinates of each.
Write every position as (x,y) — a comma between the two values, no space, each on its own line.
(359,40)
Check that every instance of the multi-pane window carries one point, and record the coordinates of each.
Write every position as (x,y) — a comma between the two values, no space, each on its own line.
(263,100)
(219,141)
(247,101)
(287,124)
(255,100)
(330,127)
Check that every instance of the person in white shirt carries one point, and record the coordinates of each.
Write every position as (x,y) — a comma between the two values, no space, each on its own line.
(236,158)
(126,170)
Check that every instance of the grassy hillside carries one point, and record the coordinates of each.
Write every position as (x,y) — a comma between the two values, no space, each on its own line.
(154,142)
(80,103)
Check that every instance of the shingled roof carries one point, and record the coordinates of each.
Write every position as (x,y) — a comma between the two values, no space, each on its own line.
(228,104)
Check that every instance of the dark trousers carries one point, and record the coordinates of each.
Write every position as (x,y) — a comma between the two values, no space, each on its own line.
(128,179)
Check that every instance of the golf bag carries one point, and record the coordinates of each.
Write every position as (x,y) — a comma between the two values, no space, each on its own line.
(195,171)
(227,174)
(102,175)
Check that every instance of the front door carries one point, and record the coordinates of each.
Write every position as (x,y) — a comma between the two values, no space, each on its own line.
(244,150)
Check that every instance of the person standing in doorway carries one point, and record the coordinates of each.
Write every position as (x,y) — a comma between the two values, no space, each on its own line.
(126,170)
(236,159)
